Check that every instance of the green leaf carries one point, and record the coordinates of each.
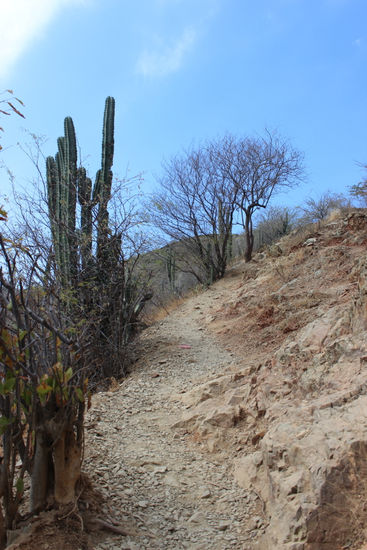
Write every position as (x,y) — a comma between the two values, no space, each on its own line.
(27,397)
(4,423)
(8,385)
(20,486)
(43,389)
(3,215)
(22,334)
(65,394)
(68,374)
(80,394)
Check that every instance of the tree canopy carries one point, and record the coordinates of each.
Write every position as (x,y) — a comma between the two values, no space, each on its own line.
(203,188)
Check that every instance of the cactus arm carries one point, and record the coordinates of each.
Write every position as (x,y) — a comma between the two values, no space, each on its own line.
(67,186)
(53,189)
(108,144)
(97,188)
(104,181)
(84,198)
(70,183)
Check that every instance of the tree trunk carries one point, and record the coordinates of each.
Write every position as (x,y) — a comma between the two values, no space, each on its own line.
(3,491)
(67,462)
(249,237)
(42,473)
(2,531)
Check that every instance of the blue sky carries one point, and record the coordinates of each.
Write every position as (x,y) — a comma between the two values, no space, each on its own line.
(186,70)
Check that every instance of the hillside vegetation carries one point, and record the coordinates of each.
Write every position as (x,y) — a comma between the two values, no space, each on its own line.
(260,367)
(243,421)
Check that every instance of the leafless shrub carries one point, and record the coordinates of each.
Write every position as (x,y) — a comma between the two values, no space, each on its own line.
(317,210)
(274,224)
(256,169)
(359,190)
(195,209)
(202,189)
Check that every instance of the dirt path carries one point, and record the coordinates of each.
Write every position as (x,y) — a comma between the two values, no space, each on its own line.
(156,480)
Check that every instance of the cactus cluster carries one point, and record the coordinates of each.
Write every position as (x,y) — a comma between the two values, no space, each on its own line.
(99,286)
(68,185)
(171,268)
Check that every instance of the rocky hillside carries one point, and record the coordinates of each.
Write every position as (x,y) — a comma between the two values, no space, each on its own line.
(243,422)
(291,411)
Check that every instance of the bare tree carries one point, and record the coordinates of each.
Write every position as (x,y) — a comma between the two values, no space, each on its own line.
(359,190)
(255,169)
(273,224)
(316,210)
(195,208)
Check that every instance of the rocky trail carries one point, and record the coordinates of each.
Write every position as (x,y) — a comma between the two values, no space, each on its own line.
(243,421)
(157,482)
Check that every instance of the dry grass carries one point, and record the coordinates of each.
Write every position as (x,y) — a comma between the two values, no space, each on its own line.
(160,311)
(283,271)
(299,236)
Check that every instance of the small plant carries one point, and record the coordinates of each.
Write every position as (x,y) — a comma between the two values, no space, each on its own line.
(7,106)
(43,392)
(317,210)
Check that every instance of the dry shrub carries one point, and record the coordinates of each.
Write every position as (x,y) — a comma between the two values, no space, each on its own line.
(296,239)
(274,251)
(158,312)
(266,317)
(299,256)
(335,215)
(284,270)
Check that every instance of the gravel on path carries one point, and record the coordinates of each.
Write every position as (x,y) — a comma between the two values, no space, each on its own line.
(155,480)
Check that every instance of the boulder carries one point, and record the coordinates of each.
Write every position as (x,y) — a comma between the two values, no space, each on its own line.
(311,473)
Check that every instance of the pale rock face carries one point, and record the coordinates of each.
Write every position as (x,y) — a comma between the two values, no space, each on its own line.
(307,472)
(301,414)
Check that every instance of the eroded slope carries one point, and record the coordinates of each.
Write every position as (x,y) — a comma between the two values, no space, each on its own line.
(292,409)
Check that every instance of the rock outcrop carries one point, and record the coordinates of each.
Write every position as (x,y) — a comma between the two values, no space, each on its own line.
(294,403)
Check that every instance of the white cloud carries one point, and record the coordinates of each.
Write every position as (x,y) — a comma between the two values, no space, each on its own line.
(21,22)
(168,59)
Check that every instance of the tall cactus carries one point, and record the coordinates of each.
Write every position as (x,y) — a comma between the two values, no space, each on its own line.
(54,202)
(104,179)
(89,258)
(86,222)
(171,268)
(67,185)
(61,187)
